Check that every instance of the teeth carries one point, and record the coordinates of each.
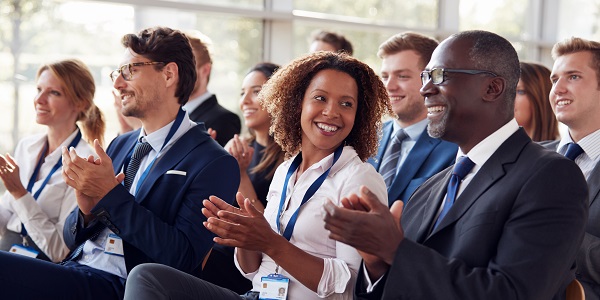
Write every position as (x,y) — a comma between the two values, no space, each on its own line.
(326,127)
(126,96)
(435,109)
(564,102)
(249,110)
(396,98)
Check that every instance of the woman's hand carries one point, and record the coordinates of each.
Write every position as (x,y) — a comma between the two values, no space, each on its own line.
(243,227)
(9,173)
(243,152)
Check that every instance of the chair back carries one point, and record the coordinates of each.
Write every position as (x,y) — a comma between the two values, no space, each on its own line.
(575,291)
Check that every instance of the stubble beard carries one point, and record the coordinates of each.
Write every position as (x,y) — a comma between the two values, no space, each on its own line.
(438,129)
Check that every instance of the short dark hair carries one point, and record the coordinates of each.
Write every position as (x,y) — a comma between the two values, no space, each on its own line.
(266,68)
(491,52)
(163,44)
(421,44)
(338,41)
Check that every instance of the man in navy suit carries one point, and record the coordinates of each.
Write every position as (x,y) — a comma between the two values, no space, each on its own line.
(575,99)
(505,222)
(155,216)
(203,105)
(417,156)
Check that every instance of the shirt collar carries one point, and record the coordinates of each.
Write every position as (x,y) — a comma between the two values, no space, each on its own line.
(484,149)
(192,104)
(589,144)
(157,138)
(413,131)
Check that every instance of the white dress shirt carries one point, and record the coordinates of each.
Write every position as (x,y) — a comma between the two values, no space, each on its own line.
(341,261)
(192,104)
(44,219)
(591,147)
(93,250)
(479,155)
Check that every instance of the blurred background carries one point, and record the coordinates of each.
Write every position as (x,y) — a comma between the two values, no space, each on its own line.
(244,32)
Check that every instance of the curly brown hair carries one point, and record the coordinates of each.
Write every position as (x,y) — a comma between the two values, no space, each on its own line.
(282,97)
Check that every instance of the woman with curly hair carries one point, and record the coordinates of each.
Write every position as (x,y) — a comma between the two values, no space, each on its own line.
(327,109)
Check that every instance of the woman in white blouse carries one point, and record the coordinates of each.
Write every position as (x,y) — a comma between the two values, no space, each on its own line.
(327,110)
(37,200)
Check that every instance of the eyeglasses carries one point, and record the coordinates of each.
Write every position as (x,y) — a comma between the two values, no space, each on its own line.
(127,70)
(437,76)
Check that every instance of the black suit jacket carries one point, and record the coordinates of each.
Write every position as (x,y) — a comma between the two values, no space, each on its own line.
(217,117)
(513,233)
(588,257)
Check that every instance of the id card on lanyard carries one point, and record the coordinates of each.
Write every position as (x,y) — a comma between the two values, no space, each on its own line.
(176,124)
(275,286)
(36,173)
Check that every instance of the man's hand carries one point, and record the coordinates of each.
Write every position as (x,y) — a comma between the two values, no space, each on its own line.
(367,225)
(92,178)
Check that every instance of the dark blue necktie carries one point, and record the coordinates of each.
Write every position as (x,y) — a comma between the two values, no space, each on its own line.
(573,151)
(141,150)
(461,169)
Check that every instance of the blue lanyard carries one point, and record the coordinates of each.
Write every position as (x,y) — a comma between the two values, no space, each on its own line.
(289,229)
(172,131)
(36,171)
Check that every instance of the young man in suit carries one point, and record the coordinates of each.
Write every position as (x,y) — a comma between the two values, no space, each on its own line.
(407,155)
(155,216)
(519,213)
(575,99)
(203,105)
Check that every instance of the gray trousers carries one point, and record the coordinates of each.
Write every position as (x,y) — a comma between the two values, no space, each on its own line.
(155,281)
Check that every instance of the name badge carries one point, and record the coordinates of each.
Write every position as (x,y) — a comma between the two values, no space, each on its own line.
(22,250)
(274,287)
(114,245)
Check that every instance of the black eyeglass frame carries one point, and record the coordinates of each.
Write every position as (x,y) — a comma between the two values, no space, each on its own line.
(115,73)
(436,74)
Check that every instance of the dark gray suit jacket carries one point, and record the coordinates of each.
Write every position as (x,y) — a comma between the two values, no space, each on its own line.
(588,257)
(513,233)
(217,117)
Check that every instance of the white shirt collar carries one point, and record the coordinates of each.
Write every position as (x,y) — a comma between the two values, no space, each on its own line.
(192,104)
(413,131)
(488,146)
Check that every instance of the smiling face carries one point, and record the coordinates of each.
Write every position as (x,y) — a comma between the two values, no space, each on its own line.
(52,107)
(140,96)
(328,112)
(400,73)
(255,117)
(575,97)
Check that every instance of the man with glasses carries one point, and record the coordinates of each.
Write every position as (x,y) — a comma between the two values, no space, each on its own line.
(505,222)
(407,155)
(575,99)
(151,210)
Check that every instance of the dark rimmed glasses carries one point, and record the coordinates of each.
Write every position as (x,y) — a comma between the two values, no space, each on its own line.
(437,75)
(127,69)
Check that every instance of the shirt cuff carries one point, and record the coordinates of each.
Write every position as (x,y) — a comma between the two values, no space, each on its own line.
(370,286)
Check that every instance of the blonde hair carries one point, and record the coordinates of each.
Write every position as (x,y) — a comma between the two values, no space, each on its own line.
(78,85)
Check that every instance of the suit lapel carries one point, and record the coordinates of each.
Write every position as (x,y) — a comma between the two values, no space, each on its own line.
(434,201)
(128,146)
(490,172)
(168,160)
(594,183)
(417,155)
(204,108)
(385,138)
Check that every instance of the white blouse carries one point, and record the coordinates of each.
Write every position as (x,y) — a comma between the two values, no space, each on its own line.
(341,262)
(44,219)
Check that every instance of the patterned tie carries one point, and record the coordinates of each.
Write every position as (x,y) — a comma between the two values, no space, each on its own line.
(573,151)
(141,150)
(390,162)
(461,169)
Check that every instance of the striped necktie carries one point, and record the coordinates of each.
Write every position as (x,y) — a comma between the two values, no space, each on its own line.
(390,162)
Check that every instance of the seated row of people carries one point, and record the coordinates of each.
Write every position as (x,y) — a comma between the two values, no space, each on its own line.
(324,112)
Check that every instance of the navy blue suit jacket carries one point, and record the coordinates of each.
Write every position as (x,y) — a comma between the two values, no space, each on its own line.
(428,157)
(163,222)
